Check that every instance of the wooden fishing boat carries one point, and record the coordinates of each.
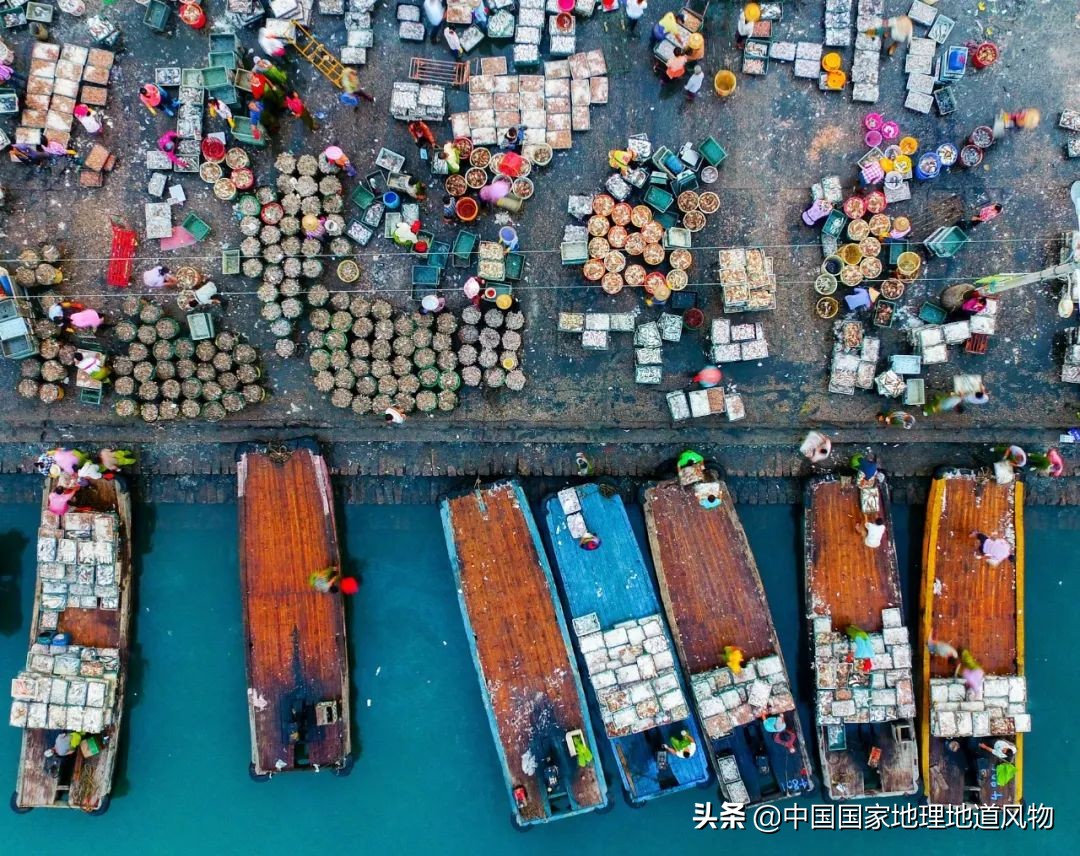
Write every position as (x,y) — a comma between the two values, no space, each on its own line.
(521,648)
(865,705)
(297,664)
(713,597)
(76,669)
(624,645)
(973,606)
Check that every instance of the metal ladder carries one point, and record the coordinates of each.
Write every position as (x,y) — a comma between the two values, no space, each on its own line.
(318,55)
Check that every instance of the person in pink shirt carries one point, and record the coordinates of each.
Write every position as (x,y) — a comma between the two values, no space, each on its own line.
(86,319)
(60,499)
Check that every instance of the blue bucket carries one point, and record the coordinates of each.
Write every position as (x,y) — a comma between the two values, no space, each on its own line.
(391,200)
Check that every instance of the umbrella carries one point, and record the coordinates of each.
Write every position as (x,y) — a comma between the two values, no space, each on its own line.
(333,153)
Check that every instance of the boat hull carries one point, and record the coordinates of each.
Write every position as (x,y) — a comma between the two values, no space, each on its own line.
(84,783)
(866,748)
(297,662)
(713,597)
(969,604)
(521,649)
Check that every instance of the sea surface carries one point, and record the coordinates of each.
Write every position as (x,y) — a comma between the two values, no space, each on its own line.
(427,780)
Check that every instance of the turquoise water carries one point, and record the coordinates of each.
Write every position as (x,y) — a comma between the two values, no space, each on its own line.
(427,779)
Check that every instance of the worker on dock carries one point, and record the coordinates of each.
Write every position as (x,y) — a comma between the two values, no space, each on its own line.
(816,447)
(942,649)
(733,658)
(60,499)
(589,542)
(972,672)
(113,459)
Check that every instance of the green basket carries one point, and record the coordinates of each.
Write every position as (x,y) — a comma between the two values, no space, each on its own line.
(515,263)
(362,197)
(658,199)
(198,227)
(712,151)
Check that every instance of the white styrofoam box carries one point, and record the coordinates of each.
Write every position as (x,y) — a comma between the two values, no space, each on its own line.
(576,524)
(591,642)
(568,500)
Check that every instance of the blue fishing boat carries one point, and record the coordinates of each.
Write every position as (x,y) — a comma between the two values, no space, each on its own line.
(521,648)
(624,645)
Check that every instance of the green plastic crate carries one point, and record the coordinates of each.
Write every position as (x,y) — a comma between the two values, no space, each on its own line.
(712,151)
(515,263)
(362,197)
(658,199)
(198,227)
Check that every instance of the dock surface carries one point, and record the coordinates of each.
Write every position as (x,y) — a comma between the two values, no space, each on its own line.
(296,652)
(971,605)
(528,677)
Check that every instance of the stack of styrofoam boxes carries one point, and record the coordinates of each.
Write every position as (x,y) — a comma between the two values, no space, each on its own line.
(837,24)
(595,327)
(632,670)
(52,90)
(359,36)
(731,782)
(76,564)
(1070,369)
(846,693)
(808,59)
(865,67)
(853,367)
(66,688)
(561,43)
(747,280)
(410,101)
(919,65)
(527,37)
(732,343)
(957,711)
(726,700)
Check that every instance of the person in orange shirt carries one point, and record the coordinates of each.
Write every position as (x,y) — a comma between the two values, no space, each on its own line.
(695,47)
(676,66)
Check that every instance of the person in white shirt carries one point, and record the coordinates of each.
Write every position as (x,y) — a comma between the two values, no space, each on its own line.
(435,13)
(453,41)
(872,531)
(634,10)
(693,85)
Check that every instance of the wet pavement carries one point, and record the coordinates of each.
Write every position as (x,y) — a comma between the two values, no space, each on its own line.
(781,135)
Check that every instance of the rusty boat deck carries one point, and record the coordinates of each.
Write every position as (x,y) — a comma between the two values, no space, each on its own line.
(713,596)
(521,648)
(971,605)
(865,707)
(297,662)
(82,782)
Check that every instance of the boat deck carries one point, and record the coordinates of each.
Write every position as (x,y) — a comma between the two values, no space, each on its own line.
(708,578)
(520,642)
(853,583)
(88,780)
(614,583)
(971,605)
(713,596)
(296,651)
(843,576)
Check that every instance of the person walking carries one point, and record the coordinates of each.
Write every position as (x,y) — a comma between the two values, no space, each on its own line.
(393,416)
(255,114)
(435,13)
(113,459)
(634,10)
(86,319)
(88,118)
(449,209)
(155,98)
(943,402)
(299,109)
(708,377)
(271,45)
(453,41)
(693,85)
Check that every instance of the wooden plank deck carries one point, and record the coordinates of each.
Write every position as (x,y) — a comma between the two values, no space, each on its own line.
(971,605)
(89,779)
(520,642)
(713,596)
(854,583)
(296,653)
(843,575)
(708,579)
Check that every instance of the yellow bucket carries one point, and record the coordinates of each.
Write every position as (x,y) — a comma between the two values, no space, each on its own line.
(835,79)
(504,301)
(831,61)
(909,145)
(908,264)
(851,254)
(725,83)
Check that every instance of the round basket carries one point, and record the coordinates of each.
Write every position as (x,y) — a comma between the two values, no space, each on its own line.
(455,185)
(475,178)
(348,271)
(708,202)
(210,172)
(237,158)
(224,189)
(480,157)
(681,259)
(612,283)
(598,248)
(593,270)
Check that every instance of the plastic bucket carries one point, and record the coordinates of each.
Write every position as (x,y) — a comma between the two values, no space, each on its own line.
(508,237)
(566,5)
(832,265)
(466,209)
(725,83)
(391,200)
